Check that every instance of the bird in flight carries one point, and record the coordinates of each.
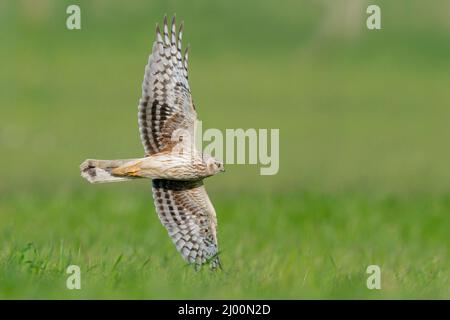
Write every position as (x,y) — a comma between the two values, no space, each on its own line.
(167,120)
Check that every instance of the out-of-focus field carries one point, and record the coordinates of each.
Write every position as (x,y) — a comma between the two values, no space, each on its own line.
(364,160)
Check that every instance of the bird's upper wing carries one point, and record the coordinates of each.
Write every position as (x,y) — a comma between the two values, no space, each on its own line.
(189,217)
(166,112)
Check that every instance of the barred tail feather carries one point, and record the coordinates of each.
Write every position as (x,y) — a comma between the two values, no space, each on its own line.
(99,171)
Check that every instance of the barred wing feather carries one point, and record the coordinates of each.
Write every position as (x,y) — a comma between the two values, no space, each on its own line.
(186,212)
(166,103)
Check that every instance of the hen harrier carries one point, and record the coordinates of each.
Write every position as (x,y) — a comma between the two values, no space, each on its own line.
(167,119)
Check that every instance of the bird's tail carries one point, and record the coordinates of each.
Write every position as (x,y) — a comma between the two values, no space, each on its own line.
(100,171)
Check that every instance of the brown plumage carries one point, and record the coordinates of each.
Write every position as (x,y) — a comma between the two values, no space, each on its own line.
(167,118)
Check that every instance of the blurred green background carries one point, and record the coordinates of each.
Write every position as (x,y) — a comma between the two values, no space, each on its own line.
(363,118)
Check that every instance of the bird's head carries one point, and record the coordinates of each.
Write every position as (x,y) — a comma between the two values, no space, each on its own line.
(213,166)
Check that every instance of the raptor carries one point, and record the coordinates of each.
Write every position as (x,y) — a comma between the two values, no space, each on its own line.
(167,120)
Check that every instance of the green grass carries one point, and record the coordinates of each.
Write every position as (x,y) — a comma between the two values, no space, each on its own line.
(291,246)
(363,119)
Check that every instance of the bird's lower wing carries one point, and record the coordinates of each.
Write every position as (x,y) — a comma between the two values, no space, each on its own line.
(185,210)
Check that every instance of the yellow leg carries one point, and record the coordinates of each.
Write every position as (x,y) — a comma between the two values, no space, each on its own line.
(129,171)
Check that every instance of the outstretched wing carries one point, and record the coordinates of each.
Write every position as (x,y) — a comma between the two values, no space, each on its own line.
(166,112)
(189,217)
